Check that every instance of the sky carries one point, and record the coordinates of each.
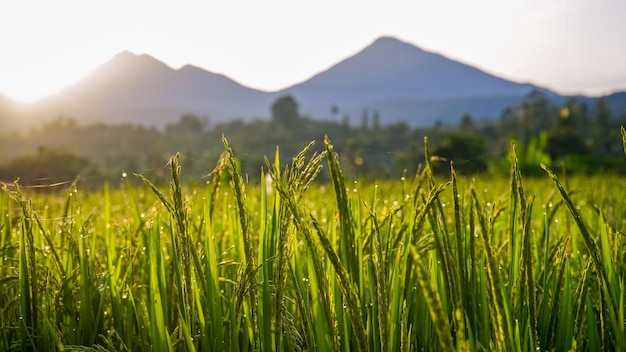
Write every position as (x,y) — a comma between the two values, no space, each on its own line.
(570,46)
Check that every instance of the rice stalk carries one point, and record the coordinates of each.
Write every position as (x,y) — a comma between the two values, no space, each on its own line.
(591,245)
(348,291)
(27,276)
(183,252)
(215,333)
(348,246)
(527,292)
(291,183)
(379,278)
(461,251)
(248,284)
(498,306)
(436,310)
(552,296)
(443,248)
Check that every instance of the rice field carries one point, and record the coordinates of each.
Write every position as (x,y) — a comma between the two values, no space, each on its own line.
(420,263)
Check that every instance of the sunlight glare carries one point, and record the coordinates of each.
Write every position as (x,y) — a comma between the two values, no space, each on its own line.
(30,85)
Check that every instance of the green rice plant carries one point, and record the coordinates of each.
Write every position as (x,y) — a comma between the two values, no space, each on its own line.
(214,329)
(498,298)
(291,183)
(444,249)
(294,264)
(379,262)
(27,282)
(349,245)
(437,314)
(247,284)
(347,289)
(192,277)
(611,288)
(158,295)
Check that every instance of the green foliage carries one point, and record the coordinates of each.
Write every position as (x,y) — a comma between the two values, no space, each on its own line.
(466,151)
(528,158)
(583,136)
(188,124)
(488,264)
(565,142)
(48,166)
(285,112)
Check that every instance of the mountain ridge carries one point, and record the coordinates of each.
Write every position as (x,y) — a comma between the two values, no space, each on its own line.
(399,80)
(416,74)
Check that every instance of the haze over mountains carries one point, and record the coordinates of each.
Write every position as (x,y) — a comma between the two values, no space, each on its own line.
(398,80)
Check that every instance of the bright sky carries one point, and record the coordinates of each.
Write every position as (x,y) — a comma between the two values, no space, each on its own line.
(571,46)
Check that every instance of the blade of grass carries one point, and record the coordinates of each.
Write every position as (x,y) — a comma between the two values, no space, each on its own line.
(591,245)
(158,326)
(27,275)
(216,332)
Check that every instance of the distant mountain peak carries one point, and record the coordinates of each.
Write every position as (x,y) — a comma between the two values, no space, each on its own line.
(123,54)
(192,68)
(387,39)
(125,58)
(393,44)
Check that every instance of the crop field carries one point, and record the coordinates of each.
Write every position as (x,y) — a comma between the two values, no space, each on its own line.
(424,262)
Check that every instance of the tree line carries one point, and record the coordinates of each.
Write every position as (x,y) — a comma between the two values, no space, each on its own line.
(575,135)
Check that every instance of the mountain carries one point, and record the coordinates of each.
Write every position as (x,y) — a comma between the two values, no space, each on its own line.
(402,81)
(141,89)
(399,81)
(617,101)
(392,69)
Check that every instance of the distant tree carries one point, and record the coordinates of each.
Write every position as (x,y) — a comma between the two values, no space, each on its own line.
(188,123)
(602,142)
(467,125)
(569,114)
(536,113)
(376,120)
(410,157)
(345,122)
(60,123)
(564,142)
(529,157)
(437,126)
(365,120)
(466,151)
(285,112)
(334,110)
(583,110)
(48,166)
(603,113)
